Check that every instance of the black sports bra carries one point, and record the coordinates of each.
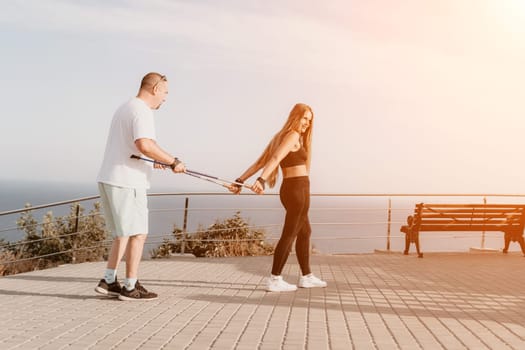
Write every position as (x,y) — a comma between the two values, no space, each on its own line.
(294,158)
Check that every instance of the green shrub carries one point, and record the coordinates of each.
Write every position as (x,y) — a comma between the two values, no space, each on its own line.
(229,237)
(75,237)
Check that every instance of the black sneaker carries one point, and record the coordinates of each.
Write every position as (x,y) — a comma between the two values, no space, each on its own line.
(137,293)
(109,289)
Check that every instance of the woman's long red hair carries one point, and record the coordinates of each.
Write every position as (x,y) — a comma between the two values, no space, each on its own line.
(292,124)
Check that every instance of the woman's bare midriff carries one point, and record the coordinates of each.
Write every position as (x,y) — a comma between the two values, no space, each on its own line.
(294,171)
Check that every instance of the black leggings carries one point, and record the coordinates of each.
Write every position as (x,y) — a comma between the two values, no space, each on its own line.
(295,197)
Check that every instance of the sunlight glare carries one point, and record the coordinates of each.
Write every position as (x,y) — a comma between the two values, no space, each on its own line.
(509,13)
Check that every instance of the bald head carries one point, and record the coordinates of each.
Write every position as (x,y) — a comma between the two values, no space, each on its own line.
(150,80)
(153,89)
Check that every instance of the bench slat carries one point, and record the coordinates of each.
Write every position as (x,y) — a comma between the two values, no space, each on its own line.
(477,211)
(474,216)
(451,221)
(474,205)
(479,228)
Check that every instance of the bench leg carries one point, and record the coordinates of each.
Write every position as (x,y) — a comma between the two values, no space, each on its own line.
(419,254)
(522,245)
(507,243)
(407,244)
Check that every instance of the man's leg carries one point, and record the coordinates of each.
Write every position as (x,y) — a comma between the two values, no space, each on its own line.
(132,289)
(118,248)
(109,285)
(134,255)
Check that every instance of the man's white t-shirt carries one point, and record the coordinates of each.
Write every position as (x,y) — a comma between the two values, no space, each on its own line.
(132,121)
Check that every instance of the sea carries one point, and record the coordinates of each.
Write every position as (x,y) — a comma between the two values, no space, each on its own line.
(351,224)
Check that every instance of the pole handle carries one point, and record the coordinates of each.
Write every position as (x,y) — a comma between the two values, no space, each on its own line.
(134,156)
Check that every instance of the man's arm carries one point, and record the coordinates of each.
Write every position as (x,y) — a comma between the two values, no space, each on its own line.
(150,149)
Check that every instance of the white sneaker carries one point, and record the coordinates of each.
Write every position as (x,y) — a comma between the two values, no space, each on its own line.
(310,281)
(277,284)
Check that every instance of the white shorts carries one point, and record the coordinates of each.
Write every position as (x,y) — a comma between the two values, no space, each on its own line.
(125,210)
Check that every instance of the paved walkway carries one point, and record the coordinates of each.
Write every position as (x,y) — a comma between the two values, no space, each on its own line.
(373,301)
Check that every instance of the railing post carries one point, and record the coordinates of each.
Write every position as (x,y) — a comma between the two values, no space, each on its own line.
(184,227)
(389,224)
(75,237)
(483,232)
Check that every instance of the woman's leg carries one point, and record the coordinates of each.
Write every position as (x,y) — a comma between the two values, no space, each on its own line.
(302,244)
(292,200)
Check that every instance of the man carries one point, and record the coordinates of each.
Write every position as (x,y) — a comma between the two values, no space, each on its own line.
(123,182)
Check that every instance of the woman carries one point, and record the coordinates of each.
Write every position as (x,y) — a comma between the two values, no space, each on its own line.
(291,149)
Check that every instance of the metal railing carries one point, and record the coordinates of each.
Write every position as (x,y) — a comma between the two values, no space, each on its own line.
(338,221)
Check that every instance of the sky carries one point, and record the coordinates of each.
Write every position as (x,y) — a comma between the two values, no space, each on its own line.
(408,96)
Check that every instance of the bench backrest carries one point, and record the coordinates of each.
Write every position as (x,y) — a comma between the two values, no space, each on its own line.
(469,217)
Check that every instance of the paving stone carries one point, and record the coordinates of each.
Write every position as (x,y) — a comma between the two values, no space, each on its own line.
(373,301)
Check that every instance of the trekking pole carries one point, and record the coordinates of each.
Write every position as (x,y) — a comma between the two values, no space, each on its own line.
(199,175)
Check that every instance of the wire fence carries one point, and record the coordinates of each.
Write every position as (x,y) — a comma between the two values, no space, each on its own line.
(346,220)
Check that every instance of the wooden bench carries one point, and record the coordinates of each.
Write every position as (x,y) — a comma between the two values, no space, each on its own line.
(506,218)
